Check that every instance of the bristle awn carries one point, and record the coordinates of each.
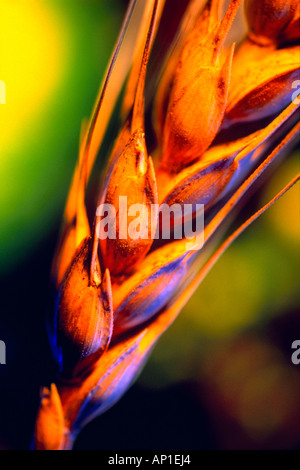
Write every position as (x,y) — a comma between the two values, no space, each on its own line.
(218,253)
(139,52)
(228,207)
(134,113)
(75,222)
(172,311)
(245,146)
(226,24)
(110,89)
(76,225)
(139,100)
(138,186)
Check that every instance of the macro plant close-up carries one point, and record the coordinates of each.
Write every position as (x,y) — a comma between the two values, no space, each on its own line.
(180,198)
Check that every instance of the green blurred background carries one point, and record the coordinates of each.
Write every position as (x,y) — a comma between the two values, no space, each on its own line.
(224,368)
(53,56)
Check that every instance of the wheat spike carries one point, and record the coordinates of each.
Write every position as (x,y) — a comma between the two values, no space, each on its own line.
(221,115)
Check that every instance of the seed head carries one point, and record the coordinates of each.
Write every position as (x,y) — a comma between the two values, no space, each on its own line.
(50,420)
(262,91)
(220,122)
(84,311)
(199,92)
(291,32)
(132,178)
(267,19)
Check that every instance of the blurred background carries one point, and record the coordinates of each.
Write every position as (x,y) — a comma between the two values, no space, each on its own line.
(221,377)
